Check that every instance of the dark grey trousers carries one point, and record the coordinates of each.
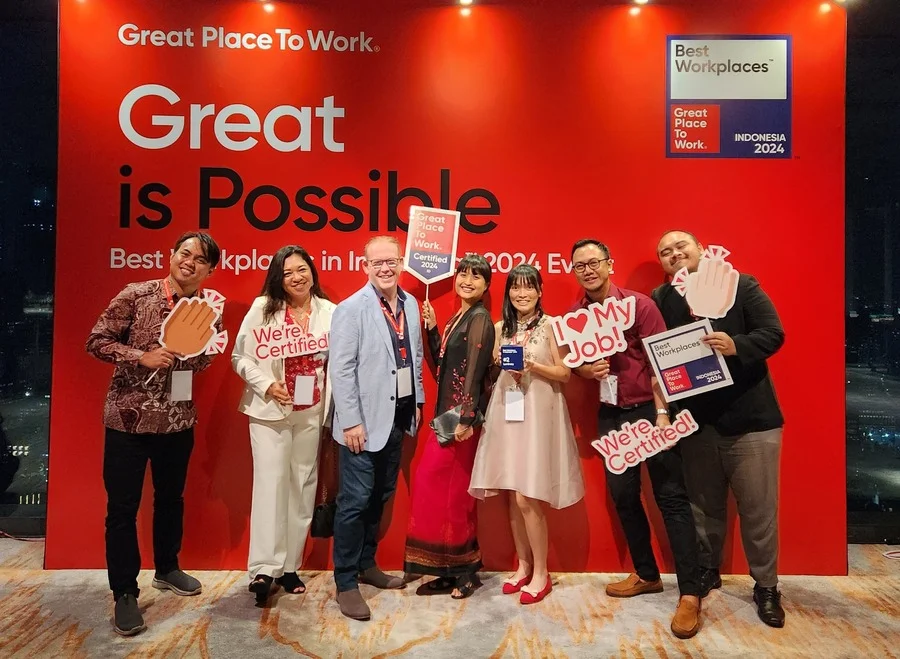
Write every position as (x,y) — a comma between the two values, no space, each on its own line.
(749,465)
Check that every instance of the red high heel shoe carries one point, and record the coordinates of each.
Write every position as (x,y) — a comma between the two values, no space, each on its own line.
(528,598)
(513,588)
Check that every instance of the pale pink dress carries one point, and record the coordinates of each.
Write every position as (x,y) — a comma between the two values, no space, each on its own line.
(537,457)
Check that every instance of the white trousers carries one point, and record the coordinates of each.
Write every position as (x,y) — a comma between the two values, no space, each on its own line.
(285,472)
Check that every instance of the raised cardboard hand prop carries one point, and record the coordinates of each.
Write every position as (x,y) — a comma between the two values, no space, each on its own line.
(711,290)
(190,329)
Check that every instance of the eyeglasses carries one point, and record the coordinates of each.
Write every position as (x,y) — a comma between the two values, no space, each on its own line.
(391,263)
(593,264)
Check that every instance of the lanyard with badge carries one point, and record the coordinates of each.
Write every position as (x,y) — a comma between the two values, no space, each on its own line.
(181,382)
(404,373)
(304,385)
(514,396)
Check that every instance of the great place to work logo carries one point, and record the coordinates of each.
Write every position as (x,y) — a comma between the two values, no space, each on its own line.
(217,36)
(728,96)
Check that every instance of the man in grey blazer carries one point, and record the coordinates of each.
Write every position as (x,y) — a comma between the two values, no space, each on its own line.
(375,370)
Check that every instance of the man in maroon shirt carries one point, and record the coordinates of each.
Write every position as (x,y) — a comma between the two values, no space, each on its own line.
(145,422)
(630,393)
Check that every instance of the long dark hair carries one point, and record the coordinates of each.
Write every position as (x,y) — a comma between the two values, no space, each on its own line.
(273,287)
(529,276)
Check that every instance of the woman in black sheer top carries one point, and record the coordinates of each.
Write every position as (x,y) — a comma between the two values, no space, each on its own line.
(442,523)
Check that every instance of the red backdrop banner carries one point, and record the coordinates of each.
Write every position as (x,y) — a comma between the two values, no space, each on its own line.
(321,123)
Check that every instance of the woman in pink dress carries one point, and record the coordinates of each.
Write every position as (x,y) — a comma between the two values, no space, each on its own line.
(534,459)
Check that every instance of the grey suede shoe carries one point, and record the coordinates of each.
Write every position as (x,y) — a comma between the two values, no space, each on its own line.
(375,577)
(178,582)
(353,605)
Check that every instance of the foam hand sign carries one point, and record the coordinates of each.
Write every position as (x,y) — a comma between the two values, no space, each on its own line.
(190,329)
(711,290)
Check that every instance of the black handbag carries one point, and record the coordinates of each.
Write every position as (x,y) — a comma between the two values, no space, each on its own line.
(444,425)
(322,525)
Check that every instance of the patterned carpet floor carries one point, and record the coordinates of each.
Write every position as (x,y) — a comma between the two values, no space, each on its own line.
(67,614)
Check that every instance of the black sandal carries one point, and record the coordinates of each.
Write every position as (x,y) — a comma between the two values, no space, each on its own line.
(291,582)
(261,586)
(471,584)
(439,586)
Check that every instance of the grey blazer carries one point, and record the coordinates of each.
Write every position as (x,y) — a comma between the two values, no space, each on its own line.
(362,366)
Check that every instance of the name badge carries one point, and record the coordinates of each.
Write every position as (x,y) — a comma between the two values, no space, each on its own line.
(181,386)
(609,390)
(515,404)
(304,386)
(404,382)
(512,358)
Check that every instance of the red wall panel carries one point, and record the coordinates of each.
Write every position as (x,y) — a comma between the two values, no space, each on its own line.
(557,110)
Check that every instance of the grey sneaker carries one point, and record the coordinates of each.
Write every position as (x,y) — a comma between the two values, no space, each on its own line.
(127,619)
(178,582)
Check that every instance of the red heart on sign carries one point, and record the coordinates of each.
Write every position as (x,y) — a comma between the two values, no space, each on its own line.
(577,322)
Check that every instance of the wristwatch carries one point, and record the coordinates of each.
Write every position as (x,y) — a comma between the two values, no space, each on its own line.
(660,410)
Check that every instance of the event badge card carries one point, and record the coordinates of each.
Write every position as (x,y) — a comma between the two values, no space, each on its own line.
(609,390)
(404,382)
(181,386)
(515,404)
(512,358)
(683,364)
(304,387)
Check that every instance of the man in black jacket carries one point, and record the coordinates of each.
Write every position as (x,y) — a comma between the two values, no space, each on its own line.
(739,442)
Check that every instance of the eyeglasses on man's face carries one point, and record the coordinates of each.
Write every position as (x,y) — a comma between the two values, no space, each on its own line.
(390,263)
(593,264)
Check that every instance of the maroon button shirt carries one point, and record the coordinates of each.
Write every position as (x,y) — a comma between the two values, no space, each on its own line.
(632,366)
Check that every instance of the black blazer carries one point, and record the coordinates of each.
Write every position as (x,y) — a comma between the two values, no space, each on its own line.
(750,404)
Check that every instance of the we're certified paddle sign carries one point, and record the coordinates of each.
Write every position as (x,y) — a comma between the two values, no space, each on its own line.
(431,244)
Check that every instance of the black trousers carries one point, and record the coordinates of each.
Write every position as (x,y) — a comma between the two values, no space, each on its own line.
(125,458)
(667,478)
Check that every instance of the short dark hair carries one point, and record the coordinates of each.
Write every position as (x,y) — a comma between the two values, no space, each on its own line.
(477,264)
(666,233)
(207,244)
(584,242)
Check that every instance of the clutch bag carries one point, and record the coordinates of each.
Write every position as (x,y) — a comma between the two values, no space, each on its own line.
(444,425)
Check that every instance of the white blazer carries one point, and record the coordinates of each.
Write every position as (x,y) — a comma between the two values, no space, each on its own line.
(259,375)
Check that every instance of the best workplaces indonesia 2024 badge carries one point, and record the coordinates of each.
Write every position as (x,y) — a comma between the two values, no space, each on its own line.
(728,96)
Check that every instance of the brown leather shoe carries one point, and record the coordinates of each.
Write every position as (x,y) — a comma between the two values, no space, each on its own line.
(353,605)
(632,586)
(686,622)
(375,577)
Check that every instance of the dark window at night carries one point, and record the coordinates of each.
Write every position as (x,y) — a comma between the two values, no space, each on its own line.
(28,124)
(873,274)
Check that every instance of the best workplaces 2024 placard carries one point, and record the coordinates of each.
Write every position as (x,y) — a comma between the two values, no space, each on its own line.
(728,97)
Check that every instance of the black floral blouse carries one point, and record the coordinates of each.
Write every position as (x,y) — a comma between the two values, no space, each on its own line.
(463,371)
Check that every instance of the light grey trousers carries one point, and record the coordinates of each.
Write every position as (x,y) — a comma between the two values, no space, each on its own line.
(749,465)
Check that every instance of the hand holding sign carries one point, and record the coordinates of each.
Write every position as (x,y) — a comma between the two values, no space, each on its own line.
(596,332)
(711,290)
(428,316)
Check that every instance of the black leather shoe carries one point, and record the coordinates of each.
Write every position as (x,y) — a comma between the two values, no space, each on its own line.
(127,619)
(768,606)
(709,579)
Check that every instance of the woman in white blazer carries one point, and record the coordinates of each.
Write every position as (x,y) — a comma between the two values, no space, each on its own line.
(288,401)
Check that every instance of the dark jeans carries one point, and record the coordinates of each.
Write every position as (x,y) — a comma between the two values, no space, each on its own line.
(125,459)
(667,478)
(367,481)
